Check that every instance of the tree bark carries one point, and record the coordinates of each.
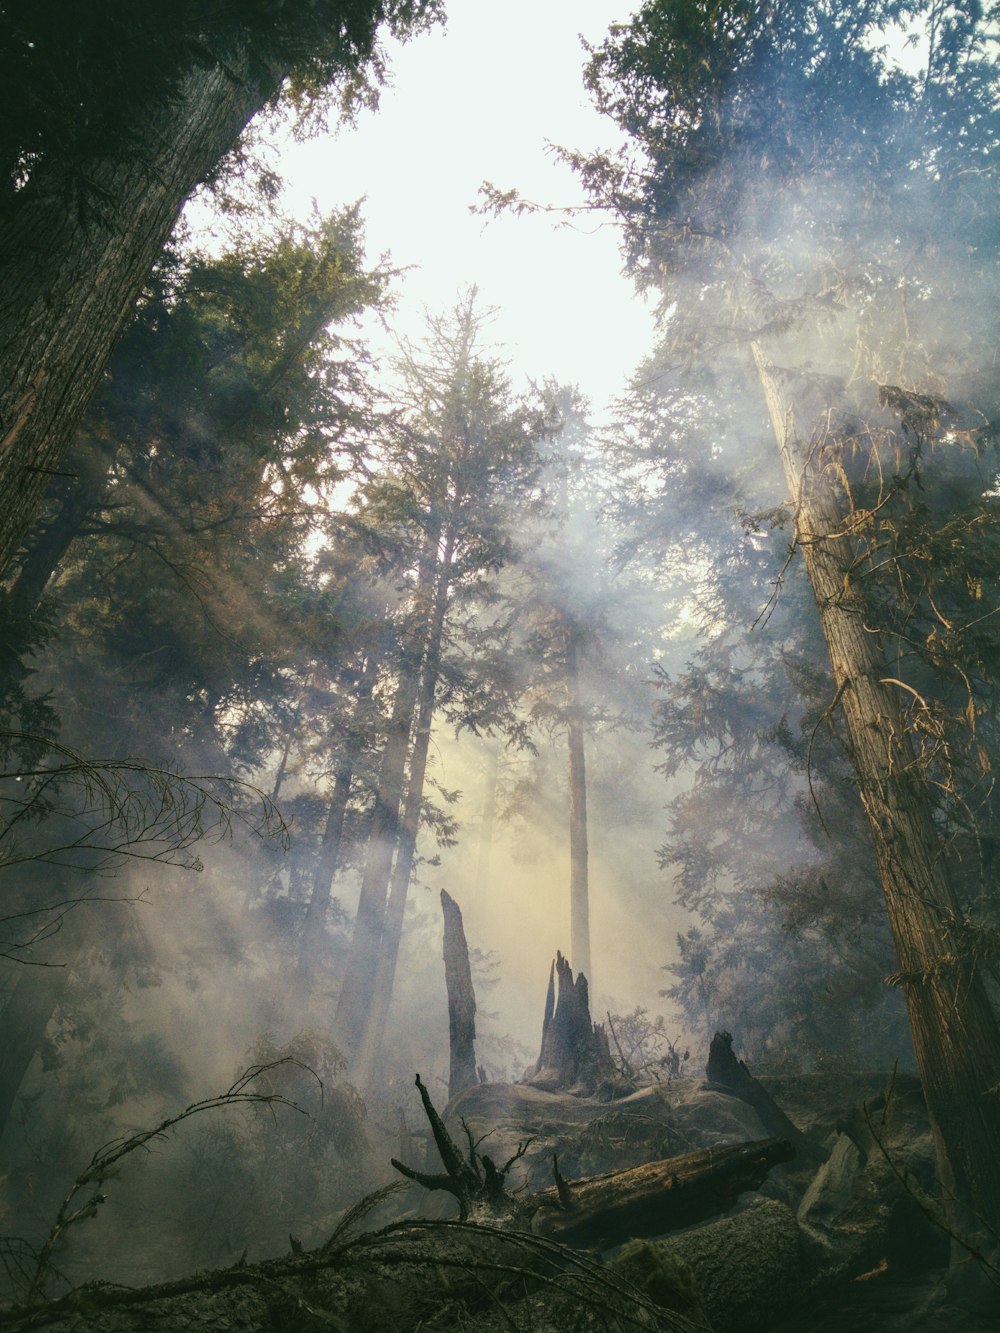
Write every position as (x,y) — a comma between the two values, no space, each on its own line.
(734,1078)
(658,1196)
(574,1055)
(461,1001)
(70,274)
(955,1033)
(579,887)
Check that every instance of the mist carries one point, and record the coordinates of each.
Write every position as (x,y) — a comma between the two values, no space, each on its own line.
(335,609)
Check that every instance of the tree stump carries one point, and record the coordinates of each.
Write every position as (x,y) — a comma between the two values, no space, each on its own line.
(462,1071)
(574,1055)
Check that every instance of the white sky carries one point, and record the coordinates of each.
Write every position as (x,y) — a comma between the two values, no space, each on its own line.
(479,99)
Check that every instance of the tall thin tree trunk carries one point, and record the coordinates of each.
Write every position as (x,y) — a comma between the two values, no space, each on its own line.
(358,988)
(409,828)
(328,858)
(488,820)
(71,272)
(30,1007)
(579,887)
(955,1033)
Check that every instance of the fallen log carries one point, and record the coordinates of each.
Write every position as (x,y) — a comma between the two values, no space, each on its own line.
(745,1271)
(657,1197)
(729,1074)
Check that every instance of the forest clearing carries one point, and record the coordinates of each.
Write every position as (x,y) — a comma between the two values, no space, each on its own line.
(626,615)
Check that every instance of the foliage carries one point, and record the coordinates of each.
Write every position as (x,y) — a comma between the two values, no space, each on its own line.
(60,59)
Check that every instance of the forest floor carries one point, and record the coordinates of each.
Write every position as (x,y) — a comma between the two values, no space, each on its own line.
(887,1304)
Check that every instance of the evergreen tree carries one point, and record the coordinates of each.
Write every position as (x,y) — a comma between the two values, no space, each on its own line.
(818,222)
(111,116)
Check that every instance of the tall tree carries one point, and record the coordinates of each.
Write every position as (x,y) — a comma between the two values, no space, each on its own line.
(110,119)
(461,464)
(817,220)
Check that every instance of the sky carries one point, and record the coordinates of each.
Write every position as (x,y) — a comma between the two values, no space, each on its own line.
(477,100)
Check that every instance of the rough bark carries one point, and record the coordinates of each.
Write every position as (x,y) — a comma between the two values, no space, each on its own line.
(955,1033)
(658,1196)
(746,1269)
(574,1054)
(461,1001)
(70,275)
(733,1076)
(579,884)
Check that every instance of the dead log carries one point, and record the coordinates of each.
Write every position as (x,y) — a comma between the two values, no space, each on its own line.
(746,1270)
(574,1055)
(646,1200)
(461,1000)
(657,1197)
(731,1075)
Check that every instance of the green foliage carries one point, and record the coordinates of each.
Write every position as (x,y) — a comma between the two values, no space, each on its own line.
(79,78)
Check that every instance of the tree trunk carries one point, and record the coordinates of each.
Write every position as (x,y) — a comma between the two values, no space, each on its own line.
(461,1001)
(409,825)
(579,889)
(747,1270)
(488,820)
(734,1078)
(357,993)
(71,272)
(29,1009)
(328,857)
(955,1033)
(574,1055)
(658,1196)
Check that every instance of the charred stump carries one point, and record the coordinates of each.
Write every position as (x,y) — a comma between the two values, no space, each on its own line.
(462,1071)
(574,1055)
(479,1185)
(731,1075)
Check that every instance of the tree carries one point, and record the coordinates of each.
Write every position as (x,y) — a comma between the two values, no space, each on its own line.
(93,183)
(460,464)
(817,221)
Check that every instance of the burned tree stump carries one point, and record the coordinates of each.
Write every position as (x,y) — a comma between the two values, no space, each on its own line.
(574,1056)
(479,1185)
(732,1076)
(462,1071)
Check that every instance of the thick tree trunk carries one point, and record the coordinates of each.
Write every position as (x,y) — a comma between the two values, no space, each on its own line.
(72,270)
(574,1055)
(461,1001)
(579,887)
(955,1033)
